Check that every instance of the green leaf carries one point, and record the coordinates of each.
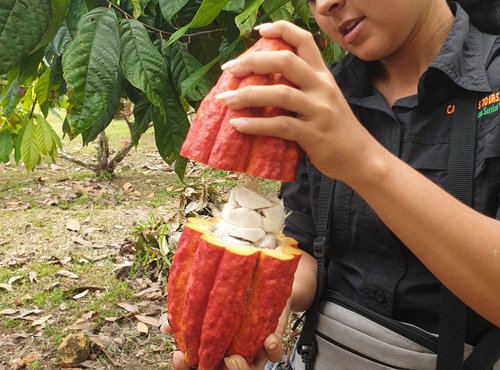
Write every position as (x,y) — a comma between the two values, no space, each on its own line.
(276,12)
(6,146)
(182,65)
(235,6)
(107,116)
(77,9)
(171,129)
(30,151)
(47,135)
(206,14)
(22,25)
(42,86)
(91,67)
(142,118)
(142,64)
(302,9)
(61,40)
(190,83)
(246,20)
(59,11)
(11,97)
(137,9)
(170,8)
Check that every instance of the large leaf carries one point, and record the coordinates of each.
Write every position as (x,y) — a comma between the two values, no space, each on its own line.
(42,86)
(142,118)
(182,65)
(206,14)
(30,151)
(107,116)
(91,67)
(276,12)
(171,129)
(302,9)
(77,9)
(59,11)
(142,64)
(47,139)
(169,8)
(246,20)
(22,25)
(6,146)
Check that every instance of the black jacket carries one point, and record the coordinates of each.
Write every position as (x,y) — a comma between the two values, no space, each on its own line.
(368,263)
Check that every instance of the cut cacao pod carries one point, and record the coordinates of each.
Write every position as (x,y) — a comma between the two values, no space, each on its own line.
(213,141)
(224,294)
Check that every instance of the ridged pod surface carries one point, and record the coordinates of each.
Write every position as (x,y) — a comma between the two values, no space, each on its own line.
(223,297)
(213,141)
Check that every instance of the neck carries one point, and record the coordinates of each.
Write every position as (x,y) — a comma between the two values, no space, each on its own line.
(399,73)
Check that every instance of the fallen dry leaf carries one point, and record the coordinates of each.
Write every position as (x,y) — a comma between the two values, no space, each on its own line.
(41,320)
(33,277)
(142,328)
(13,279)
(73,225)
(128,307)
(148,320)
(81,295)
(67,274)
(81,241)
(8,311)
(7,287)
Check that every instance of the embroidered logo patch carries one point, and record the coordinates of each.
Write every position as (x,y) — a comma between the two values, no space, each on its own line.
(488,105)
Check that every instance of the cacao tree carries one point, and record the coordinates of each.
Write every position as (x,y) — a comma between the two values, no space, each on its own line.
(84,57)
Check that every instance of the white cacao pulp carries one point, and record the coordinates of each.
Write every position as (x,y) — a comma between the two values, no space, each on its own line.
(251,218)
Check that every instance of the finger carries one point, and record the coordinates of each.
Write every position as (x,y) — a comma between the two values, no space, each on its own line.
(166,328)
(286,127)
(178,362)
(292,67)
(300,39)
(273,347)
(286,97)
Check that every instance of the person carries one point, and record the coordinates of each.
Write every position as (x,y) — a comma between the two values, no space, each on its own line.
(378,122)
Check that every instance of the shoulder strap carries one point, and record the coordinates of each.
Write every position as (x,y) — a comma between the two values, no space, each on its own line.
(460,181)
(306,345)
(460,184)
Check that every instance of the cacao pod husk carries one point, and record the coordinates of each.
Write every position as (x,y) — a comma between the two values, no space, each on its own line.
(213,141)
(223,298)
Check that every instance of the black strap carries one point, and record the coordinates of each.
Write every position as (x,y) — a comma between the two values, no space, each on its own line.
(486,353)
(306,345)
(459,183)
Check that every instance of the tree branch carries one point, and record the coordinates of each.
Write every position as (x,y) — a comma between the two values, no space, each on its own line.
(90,166)
(157,30)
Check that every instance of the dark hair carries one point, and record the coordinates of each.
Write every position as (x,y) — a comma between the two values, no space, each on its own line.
(484,14)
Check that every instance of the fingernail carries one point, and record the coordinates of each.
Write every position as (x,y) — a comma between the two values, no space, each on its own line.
(226,95)
(230,64)
(272,346)
(230,363)
(238,122)
(262,26)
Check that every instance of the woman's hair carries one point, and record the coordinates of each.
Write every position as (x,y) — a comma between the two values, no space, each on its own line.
(485,14)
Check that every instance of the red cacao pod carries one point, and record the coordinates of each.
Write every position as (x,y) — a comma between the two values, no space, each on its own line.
(225,298)
(212,140)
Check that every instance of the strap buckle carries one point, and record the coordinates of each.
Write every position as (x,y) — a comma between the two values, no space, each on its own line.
(308,352)
(319,246)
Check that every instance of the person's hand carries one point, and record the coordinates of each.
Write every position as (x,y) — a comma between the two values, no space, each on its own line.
(324,125)
(272,350)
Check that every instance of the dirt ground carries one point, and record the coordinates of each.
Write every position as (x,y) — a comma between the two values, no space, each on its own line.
(66,246)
